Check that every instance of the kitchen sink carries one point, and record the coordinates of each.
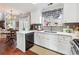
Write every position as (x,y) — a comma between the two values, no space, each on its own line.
(51,31)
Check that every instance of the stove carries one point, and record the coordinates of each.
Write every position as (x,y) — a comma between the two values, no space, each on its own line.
(76,42)
(75,47)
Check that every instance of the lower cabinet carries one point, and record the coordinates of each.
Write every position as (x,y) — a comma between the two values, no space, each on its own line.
(53,41)
(21,41)
(37,39)
(46,40)
(25,40)
(56,42)
(64,45)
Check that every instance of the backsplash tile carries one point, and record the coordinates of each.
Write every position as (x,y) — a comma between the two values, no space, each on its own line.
(71,24)
(53,28)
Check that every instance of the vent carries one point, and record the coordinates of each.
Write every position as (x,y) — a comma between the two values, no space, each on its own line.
(50,4)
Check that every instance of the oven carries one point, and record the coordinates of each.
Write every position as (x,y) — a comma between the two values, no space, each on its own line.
(75,47)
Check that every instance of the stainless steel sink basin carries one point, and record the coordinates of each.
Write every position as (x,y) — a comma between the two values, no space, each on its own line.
(51,31)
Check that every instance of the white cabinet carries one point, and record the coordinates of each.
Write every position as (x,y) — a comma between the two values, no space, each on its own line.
(21,41)
(37,39)
(70,12)
(41,39)
(25,40)
(53,41)
(46,40)
(64,45)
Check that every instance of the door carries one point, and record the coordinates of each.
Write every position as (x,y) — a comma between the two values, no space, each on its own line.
(44,40)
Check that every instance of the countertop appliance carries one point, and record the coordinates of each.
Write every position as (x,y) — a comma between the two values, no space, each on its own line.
(36,27)
(75,47)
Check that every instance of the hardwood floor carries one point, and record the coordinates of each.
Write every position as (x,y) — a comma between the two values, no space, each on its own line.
(12,50)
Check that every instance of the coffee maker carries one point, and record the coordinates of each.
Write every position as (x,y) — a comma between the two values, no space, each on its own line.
(36,27)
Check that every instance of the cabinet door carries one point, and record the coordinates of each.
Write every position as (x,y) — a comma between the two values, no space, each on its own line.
(70,12)
(53,41)
(42,39)
(61,44)
(49,40)
(64,44)
(68,39)
(45,40)
(37,38)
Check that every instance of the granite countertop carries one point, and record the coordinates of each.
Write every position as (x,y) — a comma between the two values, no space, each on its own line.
(59,33)
(24,32)
(29,31)
(62,33)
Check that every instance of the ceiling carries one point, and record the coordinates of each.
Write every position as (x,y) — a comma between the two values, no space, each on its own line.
(22,7)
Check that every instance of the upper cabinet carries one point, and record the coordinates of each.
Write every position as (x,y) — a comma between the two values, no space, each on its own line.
(71,13)
(78,12)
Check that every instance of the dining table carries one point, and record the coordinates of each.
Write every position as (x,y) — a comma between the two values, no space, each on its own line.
(8,36)
(3,34)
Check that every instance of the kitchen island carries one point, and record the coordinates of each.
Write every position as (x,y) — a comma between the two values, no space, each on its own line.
(56,41)
(25,40)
